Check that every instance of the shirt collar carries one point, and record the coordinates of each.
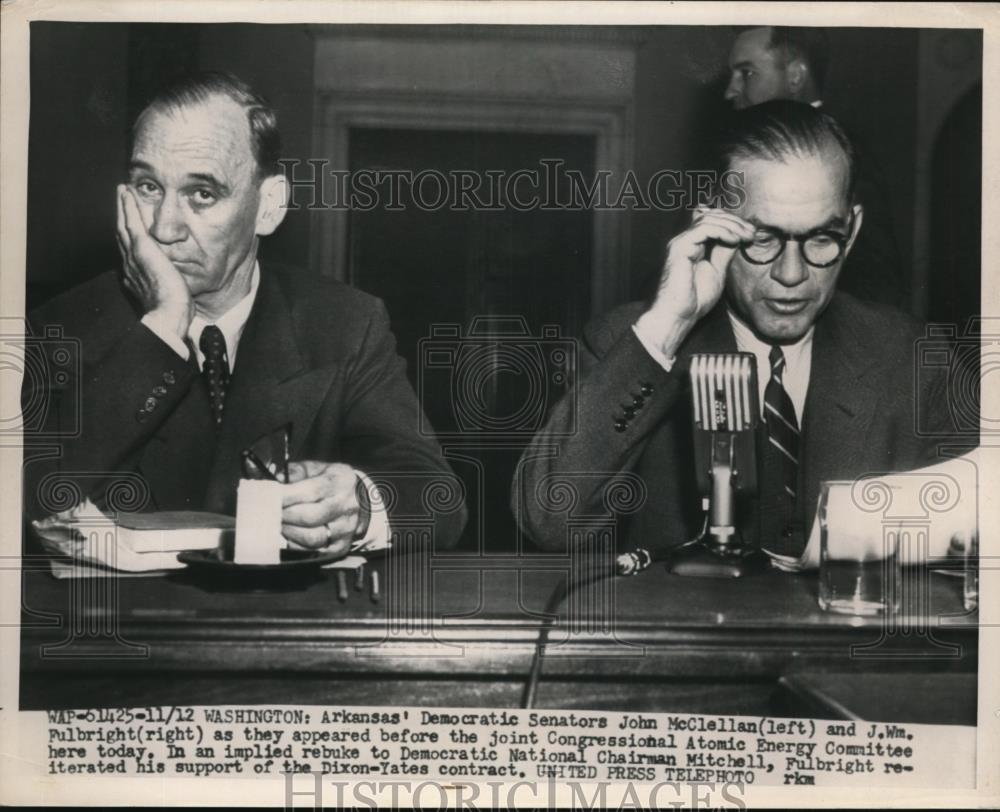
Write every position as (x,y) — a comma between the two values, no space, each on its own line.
(231,323)
(747,341)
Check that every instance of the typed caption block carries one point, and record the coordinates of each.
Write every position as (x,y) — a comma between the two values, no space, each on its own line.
(479,745)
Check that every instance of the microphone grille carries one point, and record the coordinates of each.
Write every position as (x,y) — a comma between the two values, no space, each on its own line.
(724,391)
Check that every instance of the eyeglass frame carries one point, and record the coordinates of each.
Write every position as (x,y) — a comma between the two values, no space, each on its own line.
(800,239)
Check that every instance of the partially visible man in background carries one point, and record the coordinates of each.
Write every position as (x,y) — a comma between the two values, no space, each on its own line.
(779,62)
(773,62)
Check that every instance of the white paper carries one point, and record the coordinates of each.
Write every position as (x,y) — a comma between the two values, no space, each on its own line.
(939,500)
(258,522)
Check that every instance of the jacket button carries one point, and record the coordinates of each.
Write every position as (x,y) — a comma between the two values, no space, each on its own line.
(646,389)
(168,378)
(620,425)
(150,404)
(159,391)
(629,412)
(637,401)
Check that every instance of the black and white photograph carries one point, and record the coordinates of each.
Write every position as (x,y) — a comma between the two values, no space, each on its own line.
(469,404)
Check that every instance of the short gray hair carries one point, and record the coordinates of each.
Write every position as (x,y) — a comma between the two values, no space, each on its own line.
(190,89)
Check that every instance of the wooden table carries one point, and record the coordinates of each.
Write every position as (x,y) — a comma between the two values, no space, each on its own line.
(461,630)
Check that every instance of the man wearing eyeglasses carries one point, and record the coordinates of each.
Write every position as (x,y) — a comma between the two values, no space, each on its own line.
(785,62)
(758,274)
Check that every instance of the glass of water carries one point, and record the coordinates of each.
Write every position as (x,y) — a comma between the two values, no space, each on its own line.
(970,572)
(859,565)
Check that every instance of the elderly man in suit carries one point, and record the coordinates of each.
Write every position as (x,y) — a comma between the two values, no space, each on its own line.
(197,349)
(757,274)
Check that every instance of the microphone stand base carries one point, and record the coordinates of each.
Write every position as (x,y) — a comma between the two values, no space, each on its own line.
(708,559)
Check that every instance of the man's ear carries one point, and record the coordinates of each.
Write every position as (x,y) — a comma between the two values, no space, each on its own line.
(273,204)
(796,75)
(859,214)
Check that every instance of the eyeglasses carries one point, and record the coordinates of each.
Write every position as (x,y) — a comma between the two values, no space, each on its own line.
(820,247)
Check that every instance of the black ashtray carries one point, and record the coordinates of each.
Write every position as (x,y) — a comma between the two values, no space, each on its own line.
(215,571)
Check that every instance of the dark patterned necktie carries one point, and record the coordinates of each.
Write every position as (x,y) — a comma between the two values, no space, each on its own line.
(782,427)
(780,465)
(215,369)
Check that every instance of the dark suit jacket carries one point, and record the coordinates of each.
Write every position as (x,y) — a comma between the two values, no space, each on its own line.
(859,417)
(314,353)
(874,269)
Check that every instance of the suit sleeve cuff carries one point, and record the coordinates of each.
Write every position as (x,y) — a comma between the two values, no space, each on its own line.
(378,533)
(166,335)
(649,345)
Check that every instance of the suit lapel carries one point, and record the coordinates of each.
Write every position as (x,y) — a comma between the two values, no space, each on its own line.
(712,334)
(271,385)
(840,404)
(184,443)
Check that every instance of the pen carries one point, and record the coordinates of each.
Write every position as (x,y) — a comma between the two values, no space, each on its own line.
(375,593)
(359,578)
(252,461)
(286,436)
(341,586)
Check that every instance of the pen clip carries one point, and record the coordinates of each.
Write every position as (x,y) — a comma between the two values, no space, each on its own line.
(286,437)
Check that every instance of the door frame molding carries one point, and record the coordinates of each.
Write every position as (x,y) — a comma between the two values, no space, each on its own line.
(496,79)
(339,112)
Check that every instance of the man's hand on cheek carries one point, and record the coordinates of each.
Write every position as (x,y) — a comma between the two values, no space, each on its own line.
(149,275)
(321,504)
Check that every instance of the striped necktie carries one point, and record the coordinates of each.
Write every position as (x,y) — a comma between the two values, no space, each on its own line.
(780,465)
(215,369)
(782,427)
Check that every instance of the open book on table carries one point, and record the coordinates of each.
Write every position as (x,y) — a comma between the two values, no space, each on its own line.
(84,542)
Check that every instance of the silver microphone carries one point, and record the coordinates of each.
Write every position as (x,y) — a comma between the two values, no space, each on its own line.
(726,416)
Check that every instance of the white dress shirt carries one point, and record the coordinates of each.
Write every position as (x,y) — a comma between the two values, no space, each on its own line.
(231,324)
(798,359)
(642,330)
(798,363)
